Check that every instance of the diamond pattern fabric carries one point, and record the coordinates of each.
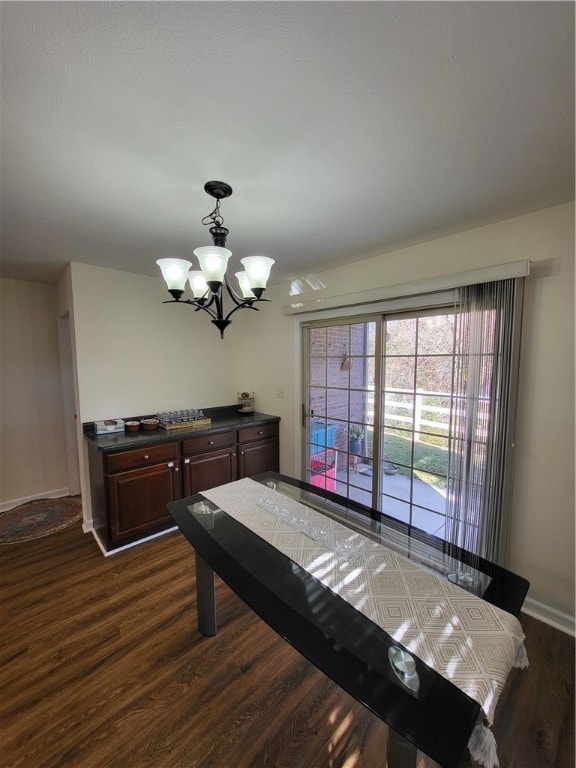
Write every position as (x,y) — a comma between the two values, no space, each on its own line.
(468,641)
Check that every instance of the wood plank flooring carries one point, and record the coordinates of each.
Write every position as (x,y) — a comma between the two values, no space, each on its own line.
(102,667)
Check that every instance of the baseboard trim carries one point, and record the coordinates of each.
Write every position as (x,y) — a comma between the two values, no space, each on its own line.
(551,616)
(109,552)
(56,494)
(98,541)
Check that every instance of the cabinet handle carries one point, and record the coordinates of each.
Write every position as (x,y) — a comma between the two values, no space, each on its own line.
(146,456)
(186,461)
(210,442)
(170,464)
(260,432)
(241,453)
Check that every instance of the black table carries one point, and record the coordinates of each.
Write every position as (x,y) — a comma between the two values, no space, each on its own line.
(433,715)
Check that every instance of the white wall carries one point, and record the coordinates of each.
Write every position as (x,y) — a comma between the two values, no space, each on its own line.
(32,440)
(136,355)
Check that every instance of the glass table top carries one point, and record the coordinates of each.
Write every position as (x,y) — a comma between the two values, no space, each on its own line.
(424,550)
(357,654)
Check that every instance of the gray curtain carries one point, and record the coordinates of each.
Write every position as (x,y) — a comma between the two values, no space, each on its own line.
(483,409)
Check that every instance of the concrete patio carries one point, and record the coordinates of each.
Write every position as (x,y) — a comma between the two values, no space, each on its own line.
(427,510)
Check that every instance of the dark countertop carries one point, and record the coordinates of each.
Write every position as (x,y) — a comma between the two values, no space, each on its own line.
(222,419)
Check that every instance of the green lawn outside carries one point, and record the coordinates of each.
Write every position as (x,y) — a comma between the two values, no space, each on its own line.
(427,458)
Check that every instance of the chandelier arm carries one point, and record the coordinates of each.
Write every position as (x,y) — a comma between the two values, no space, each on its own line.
(205,307)
(238,300)
(247,304)
(202,302)
(196,304)
(214,312)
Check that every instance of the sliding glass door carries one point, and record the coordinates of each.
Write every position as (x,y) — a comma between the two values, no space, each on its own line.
(413,413)
(377,412)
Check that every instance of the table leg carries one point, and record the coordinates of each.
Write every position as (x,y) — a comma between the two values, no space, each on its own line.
(400,753)
(205,598)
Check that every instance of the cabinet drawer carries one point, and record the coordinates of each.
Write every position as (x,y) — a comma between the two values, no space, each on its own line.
(141,457)
(204,443)
(249,434)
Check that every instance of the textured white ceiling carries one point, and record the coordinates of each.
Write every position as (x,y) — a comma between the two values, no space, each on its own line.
(345,129)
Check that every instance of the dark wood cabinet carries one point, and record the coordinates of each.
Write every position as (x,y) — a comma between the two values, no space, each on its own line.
(130,487)
(258,450)
(208,461)
(212,460)
(139,484)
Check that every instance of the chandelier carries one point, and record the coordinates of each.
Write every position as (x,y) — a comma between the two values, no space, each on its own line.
(207,283)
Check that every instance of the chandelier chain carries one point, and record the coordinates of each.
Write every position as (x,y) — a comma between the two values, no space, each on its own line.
(215,217)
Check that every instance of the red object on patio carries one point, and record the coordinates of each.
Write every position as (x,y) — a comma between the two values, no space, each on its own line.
(323,469)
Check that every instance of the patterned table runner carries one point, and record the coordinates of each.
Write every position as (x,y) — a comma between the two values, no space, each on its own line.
(470,642)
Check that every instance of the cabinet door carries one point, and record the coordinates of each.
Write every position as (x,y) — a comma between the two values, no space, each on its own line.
(207,470)
(260,456)
(137,499)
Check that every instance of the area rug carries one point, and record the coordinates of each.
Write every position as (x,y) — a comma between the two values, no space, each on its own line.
(40,518)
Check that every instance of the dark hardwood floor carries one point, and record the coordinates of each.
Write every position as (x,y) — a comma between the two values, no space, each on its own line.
(102,665)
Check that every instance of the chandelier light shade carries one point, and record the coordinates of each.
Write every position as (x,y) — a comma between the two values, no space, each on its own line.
(244,284)
(213,262)
(198,283)
(207,283)
(175,274)
(257,271)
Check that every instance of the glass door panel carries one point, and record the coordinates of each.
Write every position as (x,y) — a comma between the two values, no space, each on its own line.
(417,397)
(339,407)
